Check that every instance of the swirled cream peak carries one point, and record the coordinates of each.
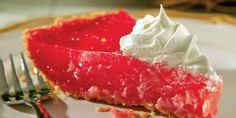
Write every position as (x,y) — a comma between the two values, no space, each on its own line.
(158,38)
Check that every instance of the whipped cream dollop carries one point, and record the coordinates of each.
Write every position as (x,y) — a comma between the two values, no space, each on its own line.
(156,39)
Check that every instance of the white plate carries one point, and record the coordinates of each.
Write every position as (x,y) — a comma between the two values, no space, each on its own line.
(218,41)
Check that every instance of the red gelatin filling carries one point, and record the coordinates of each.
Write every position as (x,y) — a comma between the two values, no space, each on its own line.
(82,57)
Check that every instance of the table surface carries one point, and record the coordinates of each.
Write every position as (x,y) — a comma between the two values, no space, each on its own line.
(12,11)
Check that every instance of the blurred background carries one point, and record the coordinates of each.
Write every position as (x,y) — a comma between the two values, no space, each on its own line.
(18,10)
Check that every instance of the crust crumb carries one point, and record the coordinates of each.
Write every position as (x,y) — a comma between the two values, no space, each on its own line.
(127,113)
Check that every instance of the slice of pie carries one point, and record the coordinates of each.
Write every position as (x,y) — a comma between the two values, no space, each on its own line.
(153,62)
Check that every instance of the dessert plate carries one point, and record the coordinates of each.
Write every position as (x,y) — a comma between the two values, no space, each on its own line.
(215,40)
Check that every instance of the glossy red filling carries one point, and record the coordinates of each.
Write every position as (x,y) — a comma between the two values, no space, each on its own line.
(92,34)
(82,57)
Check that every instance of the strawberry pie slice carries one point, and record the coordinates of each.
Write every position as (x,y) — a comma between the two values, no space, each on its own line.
(153,62)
